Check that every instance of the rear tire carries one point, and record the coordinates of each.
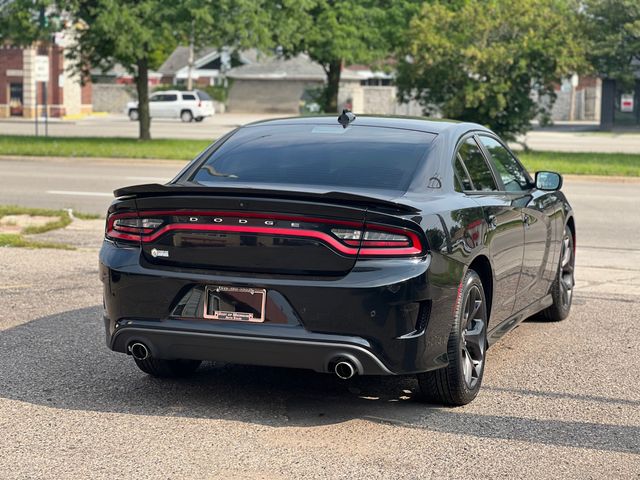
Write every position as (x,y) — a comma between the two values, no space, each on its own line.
(459,382)
(186,116)
(133,115)
(199,119)
(158,367)
(562,287)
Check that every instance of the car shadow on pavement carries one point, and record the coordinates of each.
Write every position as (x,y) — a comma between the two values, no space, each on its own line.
(61,361)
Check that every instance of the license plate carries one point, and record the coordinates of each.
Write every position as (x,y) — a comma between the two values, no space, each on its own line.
(235,304)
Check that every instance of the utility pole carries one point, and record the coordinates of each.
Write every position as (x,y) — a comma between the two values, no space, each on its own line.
(190,65)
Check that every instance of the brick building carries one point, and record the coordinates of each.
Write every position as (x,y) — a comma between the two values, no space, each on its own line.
(20,92)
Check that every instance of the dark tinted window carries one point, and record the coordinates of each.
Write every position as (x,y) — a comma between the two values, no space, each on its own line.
(332,156)
(513,175)
(477,166)
(188,96)
(203,95)
(171,97)
(463,181)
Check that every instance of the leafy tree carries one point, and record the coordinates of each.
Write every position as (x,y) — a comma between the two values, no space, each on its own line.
(140,34)
(613,28)
(481,61)
(23,22)
(338,32)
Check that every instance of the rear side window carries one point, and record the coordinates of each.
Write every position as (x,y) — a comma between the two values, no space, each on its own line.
(171,97)
(475,163)
(317,155)
(463,182)
(203,95)
(188,96)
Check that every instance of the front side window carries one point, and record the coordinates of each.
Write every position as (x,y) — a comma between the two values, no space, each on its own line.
(317,155)
(170,98)
(475,163)
(513,176)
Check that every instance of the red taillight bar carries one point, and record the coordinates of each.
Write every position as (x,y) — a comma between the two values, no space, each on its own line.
(412,246)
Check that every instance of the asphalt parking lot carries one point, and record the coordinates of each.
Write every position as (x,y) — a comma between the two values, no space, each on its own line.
(559,400)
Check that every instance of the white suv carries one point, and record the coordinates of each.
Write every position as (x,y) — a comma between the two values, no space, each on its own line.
(187,106)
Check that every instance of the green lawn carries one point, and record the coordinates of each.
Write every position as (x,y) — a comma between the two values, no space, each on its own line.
(566,163)
(621,164)
(100,147)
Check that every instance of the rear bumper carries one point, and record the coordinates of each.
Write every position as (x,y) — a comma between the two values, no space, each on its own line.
(173,339)
(371,315)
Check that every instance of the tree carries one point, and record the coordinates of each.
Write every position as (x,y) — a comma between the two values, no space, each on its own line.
(613,28)
(140,34)
(23,22)
(338,32)
(481,61)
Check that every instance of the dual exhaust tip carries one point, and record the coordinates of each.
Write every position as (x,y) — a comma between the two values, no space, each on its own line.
(344,369)
(139,351)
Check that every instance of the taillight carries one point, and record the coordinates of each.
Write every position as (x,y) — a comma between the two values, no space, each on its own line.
(379,240)
(127,226)
(199,103)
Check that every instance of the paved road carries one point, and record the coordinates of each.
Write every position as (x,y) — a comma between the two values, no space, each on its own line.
(559,400)
(569,138)
(121,126)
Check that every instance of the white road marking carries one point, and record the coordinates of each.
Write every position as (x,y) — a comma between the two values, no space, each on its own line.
(80,194)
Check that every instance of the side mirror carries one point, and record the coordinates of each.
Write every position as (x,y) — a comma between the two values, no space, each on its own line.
(548,181)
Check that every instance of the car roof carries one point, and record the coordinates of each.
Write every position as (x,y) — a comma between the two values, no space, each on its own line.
(175,91)
(421,124)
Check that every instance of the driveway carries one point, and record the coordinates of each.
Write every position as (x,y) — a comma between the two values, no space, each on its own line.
(559,400)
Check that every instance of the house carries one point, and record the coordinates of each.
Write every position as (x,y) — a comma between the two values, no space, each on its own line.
(278,84)
(23,89)
(209,65)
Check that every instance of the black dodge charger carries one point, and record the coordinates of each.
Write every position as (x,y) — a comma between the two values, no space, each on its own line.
(362,246)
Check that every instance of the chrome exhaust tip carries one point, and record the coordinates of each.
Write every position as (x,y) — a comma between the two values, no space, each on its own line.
(344,370)
(139,351)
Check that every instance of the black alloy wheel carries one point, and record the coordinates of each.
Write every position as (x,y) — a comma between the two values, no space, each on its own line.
(562,287)
(459,382)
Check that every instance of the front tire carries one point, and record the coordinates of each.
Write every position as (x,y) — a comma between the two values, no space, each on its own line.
(157,367)
(562,287)
(459,382)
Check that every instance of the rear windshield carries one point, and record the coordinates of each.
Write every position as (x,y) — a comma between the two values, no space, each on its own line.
(317,155)
(203,95)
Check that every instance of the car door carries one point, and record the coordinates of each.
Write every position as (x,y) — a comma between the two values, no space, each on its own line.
(537,214)
(505,236)
(171,106)
(155,105)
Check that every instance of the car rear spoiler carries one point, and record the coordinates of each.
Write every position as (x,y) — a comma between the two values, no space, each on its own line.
(155,189)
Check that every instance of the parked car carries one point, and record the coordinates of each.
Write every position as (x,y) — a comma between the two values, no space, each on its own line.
(187,106)
(372,246)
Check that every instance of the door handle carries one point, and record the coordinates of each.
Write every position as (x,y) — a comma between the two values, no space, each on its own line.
(527,219)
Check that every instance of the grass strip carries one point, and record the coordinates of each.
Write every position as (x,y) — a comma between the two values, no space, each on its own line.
(606,164)
(17,240)
(110,147)
(619,164)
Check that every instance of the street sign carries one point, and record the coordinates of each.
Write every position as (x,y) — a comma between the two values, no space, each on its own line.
(626,103)
(42,68)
